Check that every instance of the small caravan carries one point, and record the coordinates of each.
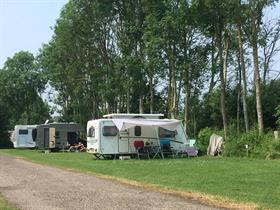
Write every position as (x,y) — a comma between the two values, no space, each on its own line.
(24,136)
(115,133)
(55,136)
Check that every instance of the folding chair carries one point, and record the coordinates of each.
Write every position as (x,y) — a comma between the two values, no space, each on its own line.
(140,149)
(166,148)
(190,151)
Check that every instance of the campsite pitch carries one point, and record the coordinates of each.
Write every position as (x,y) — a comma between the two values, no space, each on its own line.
(225,182)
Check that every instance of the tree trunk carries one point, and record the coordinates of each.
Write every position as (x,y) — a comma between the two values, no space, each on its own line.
(256,13)
(128,102)
(194,124)
(213,63)
(172,82)
(151,95)
(222,97)
(226,48)
(178,97)
(186,116)
(174,96)
(141,107)
(257,85)
(265,68)
(169,93)
(243,78)
(187,92)
(238,76)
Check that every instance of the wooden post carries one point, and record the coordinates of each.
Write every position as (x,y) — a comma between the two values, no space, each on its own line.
(276,134)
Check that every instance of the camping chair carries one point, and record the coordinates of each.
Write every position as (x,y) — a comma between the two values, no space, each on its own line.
(190,151)
(140,149)
(166,148)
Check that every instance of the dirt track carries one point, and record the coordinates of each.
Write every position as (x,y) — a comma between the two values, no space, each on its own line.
(32,186)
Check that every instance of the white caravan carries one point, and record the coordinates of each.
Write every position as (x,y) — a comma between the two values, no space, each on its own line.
(115,133)
(24,136)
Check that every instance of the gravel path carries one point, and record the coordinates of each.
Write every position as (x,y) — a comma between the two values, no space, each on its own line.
(32,186)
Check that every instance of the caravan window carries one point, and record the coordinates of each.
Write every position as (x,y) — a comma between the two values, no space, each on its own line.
(22,131)
(137,130)
(109,131)
(34,134)
(164,133)
(91,132)
(57,134)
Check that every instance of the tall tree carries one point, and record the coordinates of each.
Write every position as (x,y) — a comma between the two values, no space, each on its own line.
(21,84)
(270,33)
(254,14)
(214,20)
(238,19)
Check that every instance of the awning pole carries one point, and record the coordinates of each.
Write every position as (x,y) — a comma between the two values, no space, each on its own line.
(157,134)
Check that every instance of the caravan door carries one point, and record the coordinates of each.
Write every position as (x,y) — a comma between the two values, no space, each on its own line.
(109,138)
(124,142)
(52,138)
(22,137)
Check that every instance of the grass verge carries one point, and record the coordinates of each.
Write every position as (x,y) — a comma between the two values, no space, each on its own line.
(4,205)
(226,182)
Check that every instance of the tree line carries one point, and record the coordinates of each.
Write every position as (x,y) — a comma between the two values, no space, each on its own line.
(189,59)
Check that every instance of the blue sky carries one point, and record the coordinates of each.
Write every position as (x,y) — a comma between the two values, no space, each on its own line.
(25,25)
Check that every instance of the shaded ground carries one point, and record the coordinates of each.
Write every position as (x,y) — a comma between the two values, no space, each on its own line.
(32,186)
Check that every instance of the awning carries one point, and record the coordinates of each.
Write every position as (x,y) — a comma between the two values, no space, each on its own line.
(128,123)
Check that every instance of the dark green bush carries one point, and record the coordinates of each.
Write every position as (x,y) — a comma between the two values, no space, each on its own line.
(264,146)
(277,115)
(258,146)
(4,134)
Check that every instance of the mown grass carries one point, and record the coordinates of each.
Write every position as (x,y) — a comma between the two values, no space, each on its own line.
(4,205)
(237,179)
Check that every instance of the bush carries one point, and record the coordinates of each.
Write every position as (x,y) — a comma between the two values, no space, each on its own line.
(277,115)
(274,152)
(4,134)
(5,143)
(258,146)
(264,146)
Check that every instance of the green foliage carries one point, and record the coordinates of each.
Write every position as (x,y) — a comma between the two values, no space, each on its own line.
(274,152)
(262,146)
(277,115)
(4,134)
(236,145)
(271,99)
(21,84)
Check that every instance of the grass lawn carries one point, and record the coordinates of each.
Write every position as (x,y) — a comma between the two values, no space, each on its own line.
(4,205)
(235,179)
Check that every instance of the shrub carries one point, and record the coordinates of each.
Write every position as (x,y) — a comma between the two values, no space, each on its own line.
(264,146)
(4,134)
(258,146)
(277,115)
(274,152)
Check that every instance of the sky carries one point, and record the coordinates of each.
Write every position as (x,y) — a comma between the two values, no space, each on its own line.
(26,25)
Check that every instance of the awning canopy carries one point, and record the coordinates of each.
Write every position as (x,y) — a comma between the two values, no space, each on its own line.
(128,123)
